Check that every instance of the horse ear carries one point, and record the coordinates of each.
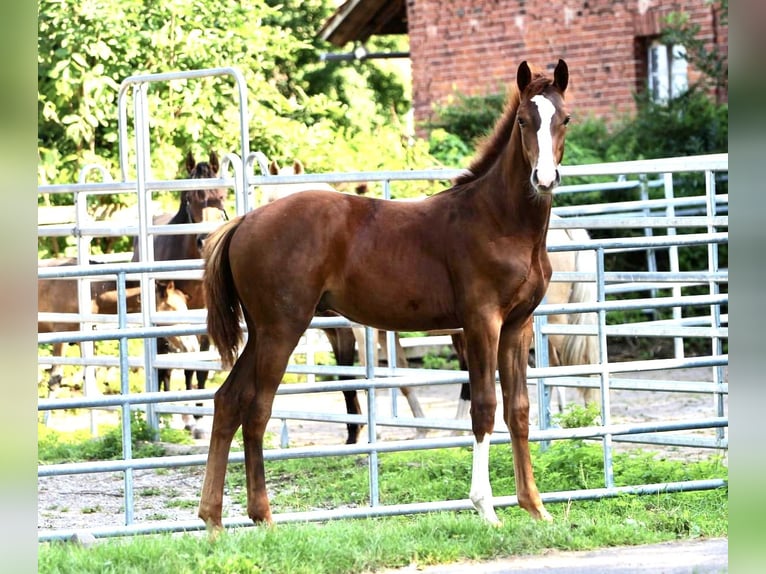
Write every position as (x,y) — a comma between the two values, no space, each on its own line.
(273,168)
(523,76)
(561,75)
(190,163)
(170,286)
(297,167)
(213,161)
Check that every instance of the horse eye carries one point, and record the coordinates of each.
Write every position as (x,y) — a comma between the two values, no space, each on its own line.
(566,120)
(522,123)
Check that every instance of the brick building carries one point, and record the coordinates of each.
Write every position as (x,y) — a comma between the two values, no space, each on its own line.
(473,47)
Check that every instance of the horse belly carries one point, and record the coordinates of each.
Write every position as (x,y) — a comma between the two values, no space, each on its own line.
(381,297)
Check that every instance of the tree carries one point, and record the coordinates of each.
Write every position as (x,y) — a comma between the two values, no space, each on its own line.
(85,49)
(329,116)
(711,61)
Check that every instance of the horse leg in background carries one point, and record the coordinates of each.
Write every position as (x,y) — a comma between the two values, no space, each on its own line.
(342,342)
(464,403)
(55,373)
(409,394)
(197,432)
(554,360)
(401,362)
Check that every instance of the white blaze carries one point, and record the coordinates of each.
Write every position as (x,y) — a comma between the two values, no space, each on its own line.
(546,163)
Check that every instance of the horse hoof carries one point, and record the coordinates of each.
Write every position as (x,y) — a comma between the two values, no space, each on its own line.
(214,531)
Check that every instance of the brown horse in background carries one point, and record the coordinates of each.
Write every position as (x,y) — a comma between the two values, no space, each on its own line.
(472,257)
(194,206)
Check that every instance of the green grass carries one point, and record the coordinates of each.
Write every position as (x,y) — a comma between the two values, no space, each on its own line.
(370,544)
(58,447)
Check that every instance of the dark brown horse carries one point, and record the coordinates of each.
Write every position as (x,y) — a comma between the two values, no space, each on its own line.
(471,257)
(194,206)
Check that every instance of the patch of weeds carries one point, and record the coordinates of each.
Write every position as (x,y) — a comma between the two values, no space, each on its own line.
(56,447)
(91,509)
(151,491)
(577,416)
(181,503)
(440,361)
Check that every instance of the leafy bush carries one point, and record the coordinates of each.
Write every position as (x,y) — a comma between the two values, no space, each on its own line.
(690,124)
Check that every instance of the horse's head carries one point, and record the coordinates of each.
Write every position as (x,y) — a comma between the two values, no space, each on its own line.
(542,118)
(171,299)
(204,204)
(295,169)
(272,192)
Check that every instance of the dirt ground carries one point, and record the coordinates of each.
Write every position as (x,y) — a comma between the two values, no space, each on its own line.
(94,500)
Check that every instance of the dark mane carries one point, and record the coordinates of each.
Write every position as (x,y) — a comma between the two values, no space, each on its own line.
(492,146)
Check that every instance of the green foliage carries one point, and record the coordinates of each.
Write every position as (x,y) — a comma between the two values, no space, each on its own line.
(576,416)
(448,148)
(57,447)
(469,117)
(86,49)
(442,360)
(714,62)
(687,125)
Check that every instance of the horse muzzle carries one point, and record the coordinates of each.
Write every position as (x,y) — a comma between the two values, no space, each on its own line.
(545,182)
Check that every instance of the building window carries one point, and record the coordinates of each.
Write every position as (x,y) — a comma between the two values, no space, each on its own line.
(667,71)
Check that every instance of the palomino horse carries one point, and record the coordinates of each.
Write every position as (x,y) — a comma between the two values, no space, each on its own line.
(195,206)
(60,296)
(472,257)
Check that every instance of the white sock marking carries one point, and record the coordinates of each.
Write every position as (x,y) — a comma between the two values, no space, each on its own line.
(481,491)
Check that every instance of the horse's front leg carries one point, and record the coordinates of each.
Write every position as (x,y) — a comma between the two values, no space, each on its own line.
(512,364)
(481,350)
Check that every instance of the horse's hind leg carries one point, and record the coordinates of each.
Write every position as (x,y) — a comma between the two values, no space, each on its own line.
(227,418)
(272,350)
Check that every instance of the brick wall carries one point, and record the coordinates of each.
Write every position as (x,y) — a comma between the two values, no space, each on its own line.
(475,46)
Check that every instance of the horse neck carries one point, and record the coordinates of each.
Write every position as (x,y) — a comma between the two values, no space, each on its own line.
(509,191)
(183,215)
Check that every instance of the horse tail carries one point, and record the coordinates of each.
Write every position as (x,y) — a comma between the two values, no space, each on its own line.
(224,311)
(582,349)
